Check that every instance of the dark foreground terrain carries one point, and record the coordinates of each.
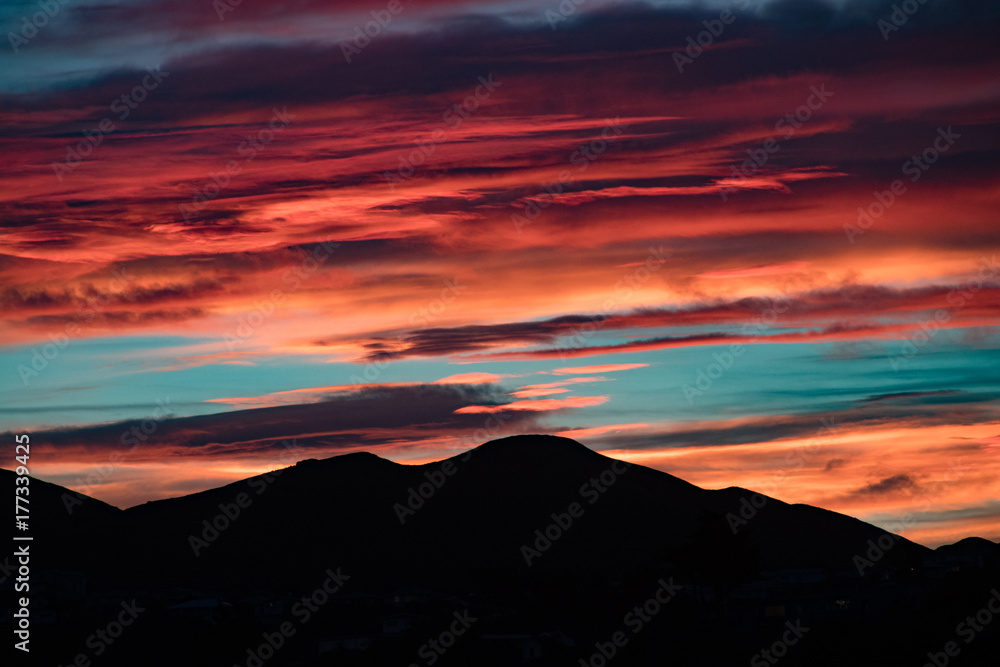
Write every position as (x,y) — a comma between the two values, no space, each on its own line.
(531,550)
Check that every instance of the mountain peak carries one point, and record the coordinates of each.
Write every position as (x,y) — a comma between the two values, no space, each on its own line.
(354,459)
(533,446)
(971,544)
(351,456)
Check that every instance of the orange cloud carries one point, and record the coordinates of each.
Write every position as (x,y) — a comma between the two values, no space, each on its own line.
(543,405)
(909,479)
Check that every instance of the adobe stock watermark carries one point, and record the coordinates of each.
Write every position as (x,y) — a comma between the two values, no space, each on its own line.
(624,289)
(223,7)
(432,650)
(706,377)
(417,497)
(751,505)
(104,638)
(635,620)
(915,167)
(779,649)
(791,122)
(878,548)
(363,35)
(901,13)
(452,118)
(581,158)
(302,611)
(714,28)
(229,512)
(87,310)
(30,27)
(248,150)
(968,629)
(122,106)
(422,317)
(138,432)
(591,490)
(957,298)
(566,9)
(309,264)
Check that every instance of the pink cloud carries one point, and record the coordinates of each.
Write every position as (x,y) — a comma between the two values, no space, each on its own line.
(543,405)
(470,378)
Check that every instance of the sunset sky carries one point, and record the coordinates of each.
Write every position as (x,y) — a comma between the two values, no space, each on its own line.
(747,243)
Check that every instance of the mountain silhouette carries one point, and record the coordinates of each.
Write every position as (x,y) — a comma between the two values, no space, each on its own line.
(367,514)
(530,517)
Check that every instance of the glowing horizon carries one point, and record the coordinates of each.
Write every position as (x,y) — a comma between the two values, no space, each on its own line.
(233,231)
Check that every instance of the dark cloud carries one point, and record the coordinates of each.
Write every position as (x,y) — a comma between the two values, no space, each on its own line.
(121,294)
(815,426)
(912,397)
(989,509)
(888,485)
(833,464)
(371,417)
(100,318)
(805,309)
(421,62)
